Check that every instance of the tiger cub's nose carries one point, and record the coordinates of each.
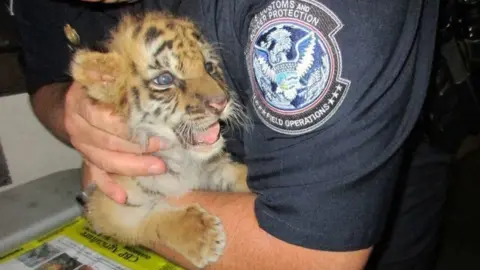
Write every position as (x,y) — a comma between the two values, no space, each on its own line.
(217,103)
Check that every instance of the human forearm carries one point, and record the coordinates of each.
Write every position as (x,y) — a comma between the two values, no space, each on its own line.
(249,247)
(48,105)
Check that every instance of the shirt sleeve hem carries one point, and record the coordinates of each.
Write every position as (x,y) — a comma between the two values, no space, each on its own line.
(34,84)
(296,236)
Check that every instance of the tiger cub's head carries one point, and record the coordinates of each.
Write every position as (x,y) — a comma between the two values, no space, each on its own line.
(163,76)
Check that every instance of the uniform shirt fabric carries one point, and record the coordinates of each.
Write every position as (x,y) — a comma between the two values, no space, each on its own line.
(333,89)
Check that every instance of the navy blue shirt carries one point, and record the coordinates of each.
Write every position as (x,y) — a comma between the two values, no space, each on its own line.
(333,88)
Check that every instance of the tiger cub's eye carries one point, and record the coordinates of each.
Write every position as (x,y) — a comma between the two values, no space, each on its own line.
(163,80)
(209,67)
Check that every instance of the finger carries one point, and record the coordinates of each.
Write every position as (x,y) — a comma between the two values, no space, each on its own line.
(115,125)
(86,175)
(84,133)
(96,137)
(98,115)
(102,117)
(74,97)
(80,130)
(82,114)
(105,119)
(156,144)
(123,163)
(105,183)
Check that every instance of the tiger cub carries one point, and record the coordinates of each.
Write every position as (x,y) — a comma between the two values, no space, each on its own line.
(167,83)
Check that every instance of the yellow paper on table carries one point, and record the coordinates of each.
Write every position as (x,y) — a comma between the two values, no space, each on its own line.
(75,246)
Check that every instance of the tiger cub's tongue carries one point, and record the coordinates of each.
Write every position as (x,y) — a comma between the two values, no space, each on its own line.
(209,136)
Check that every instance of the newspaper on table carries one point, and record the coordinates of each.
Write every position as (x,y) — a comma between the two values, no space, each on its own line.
(75,246)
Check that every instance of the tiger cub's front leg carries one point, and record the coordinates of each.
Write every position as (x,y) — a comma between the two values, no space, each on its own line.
(240,172)
(225,175)
(190,230)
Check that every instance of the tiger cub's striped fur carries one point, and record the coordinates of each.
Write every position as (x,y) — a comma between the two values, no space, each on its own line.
(167,83)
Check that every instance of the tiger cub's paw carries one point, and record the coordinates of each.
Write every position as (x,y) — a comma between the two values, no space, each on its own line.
(89,67)
(204,236)
(100,74)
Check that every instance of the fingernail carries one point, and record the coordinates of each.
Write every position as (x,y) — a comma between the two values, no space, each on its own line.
(116,195)
(112,195)
(158,143)
(155,169)
(121,198)
(164,145)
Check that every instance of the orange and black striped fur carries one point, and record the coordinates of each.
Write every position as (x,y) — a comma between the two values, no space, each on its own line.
(167,83)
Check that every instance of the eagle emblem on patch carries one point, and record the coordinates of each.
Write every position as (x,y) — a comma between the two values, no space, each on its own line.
(295,66)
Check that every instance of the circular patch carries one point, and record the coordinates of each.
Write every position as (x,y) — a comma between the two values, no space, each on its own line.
(295,67)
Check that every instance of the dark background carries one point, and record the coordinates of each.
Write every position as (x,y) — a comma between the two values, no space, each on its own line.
(11,78)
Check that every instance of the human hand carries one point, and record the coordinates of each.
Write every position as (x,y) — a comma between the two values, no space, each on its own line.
(102,139)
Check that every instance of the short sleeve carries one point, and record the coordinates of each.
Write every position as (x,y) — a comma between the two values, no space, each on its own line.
(46,49)
(335,92)
(46,55)
(334,214)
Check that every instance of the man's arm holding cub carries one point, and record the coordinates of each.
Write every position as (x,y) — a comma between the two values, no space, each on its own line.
(66,111)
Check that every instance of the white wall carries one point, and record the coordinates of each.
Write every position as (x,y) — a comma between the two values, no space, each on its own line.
(31,151)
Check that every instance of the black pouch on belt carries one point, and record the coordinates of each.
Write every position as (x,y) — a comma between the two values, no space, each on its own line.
(452,108)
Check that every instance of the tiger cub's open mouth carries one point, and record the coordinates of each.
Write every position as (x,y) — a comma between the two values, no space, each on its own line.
(207,137)
(201,138)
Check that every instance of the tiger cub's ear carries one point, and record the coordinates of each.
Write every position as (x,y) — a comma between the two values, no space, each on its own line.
(100,74)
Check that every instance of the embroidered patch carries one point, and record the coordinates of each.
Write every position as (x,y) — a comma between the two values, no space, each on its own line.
(295,66)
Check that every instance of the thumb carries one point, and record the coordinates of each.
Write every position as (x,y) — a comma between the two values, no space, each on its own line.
(94,175)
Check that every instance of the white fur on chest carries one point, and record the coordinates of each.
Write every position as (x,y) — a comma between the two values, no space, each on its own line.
(183,174)
(187,169)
